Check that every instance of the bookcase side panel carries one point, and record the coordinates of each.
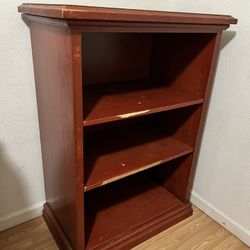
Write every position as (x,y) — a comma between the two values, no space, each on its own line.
(215,51)
(54,76)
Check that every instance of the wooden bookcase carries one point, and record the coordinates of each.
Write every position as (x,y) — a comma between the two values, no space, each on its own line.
(122,96)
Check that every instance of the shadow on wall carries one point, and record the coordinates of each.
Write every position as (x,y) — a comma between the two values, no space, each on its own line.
(12,190)
(227,37)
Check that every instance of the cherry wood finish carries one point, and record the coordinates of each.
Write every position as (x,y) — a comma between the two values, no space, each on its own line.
(115,221)
(188,69)
(112,154)
(104,14)
(107,103)
(58,89)
(55,228)
(112,182)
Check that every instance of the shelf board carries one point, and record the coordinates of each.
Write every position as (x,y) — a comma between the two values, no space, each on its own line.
(105,103)
(117,153)
(117,210)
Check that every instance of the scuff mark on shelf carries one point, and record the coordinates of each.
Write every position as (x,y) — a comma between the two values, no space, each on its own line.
(123,116)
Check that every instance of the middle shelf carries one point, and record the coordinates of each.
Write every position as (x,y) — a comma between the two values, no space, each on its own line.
(111,102)
(120,152)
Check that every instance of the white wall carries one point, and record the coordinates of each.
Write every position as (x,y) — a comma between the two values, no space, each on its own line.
(21,180)
(222,183)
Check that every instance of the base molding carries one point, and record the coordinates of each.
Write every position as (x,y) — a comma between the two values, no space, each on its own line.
(233,227)
(55,229)
(147,230)
(130,238)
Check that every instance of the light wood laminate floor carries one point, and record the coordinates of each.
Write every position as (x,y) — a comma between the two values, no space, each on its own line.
(196,232)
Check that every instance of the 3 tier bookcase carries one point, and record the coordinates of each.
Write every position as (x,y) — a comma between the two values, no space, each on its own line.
(122,96)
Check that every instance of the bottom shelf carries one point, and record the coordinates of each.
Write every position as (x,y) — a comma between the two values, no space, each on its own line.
(120,211)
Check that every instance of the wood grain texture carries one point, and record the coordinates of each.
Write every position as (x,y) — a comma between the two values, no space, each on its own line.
(76,55)
(109,160)
(142,208)
(119,26)
(116,14)
(199,232)
(55,228)
(110,103)
(60,120)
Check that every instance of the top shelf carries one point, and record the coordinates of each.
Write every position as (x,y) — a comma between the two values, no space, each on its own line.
(76,12)
(110,103)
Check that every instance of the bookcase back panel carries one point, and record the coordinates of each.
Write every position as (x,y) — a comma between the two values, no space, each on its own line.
(183,61)
(174,176)
(160,58)
(116,57)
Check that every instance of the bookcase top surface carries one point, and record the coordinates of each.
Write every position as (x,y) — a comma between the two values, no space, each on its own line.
(77,12)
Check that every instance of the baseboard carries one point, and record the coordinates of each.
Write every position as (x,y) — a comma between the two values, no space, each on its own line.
(236,229)
(20,216)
